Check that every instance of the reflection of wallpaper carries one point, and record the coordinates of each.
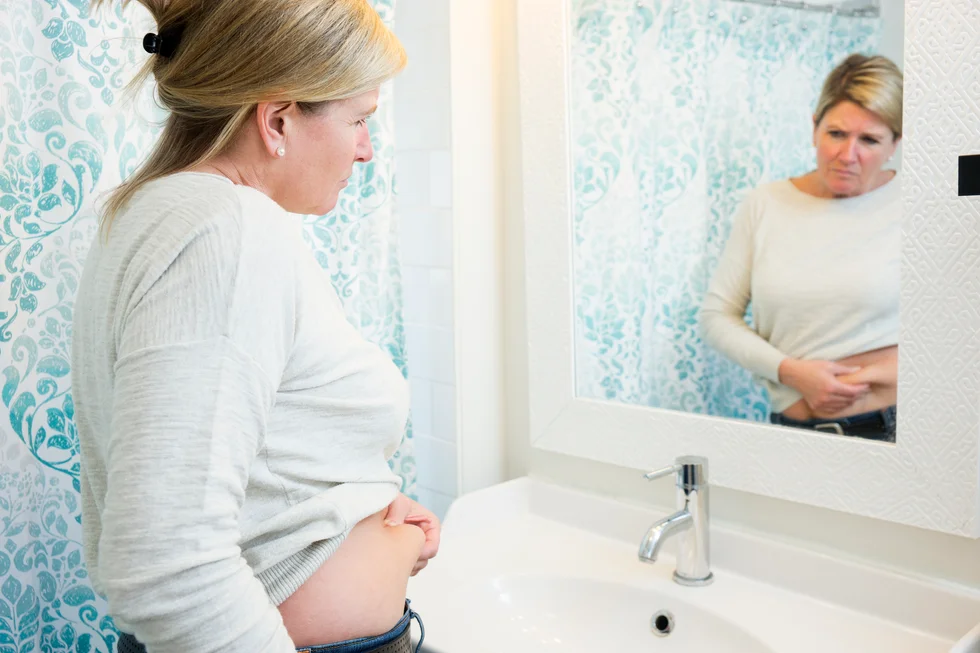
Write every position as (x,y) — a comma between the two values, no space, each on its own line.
(62,141)
(678,108)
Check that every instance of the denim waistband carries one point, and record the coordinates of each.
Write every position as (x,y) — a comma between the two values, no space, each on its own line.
(385,643)
(378,642)
(875,425)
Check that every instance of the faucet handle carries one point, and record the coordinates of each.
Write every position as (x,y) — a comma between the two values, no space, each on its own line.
(660,473)
(692,471)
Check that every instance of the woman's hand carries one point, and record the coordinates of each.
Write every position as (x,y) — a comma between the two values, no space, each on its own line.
(820,386)
(405,511)
(884,372)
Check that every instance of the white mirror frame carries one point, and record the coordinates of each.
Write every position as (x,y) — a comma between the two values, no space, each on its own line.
(930,478)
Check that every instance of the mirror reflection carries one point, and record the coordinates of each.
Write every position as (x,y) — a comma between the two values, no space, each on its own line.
(737,199)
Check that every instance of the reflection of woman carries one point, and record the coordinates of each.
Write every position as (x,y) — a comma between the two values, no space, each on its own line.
(234,426)
(818,256)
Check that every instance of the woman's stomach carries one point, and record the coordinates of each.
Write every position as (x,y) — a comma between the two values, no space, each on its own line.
(360,590)
(879,368)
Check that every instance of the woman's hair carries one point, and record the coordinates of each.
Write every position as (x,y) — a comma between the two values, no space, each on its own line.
(232,54)
(872,83)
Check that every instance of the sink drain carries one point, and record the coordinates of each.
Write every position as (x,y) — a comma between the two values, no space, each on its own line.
(662,623)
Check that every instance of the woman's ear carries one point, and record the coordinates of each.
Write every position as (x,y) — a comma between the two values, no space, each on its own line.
(273,121)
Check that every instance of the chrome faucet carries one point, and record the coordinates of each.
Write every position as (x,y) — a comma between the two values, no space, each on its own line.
(689,523)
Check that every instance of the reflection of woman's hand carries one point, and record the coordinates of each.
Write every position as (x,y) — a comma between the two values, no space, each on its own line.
(883,372)
(818,383)
(405,511)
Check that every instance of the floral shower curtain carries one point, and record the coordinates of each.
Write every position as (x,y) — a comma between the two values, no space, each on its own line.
(64,138)
(679,107)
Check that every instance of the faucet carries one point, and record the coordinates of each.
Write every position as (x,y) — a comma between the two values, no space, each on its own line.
(689,523)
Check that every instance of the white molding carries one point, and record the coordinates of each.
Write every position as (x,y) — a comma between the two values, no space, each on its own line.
(928,479)
(478,310)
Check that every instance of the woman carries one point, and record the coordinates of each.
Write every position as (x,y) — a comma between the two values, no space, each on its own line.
(234,427)
(818,256)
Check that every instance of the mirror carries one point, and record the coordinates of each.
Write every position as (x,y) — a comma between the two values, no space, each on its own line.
(732,256)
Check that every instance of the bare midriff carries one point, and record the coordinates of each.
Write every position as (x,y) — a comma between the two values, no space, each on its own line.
(360,590)
(880,366)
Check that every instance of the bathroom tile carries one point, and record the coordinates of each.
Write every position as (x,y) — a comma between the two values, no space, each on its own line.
(417,294)
(422,91)
(419,236)
(437,502)
(422,95)
(422,120)
(435,464)
(421,16)
(444,412)
(441,179)
(412,179)
(439,239)
(441,348)
(440,300)
(422,405)
(418,350)
(430,353)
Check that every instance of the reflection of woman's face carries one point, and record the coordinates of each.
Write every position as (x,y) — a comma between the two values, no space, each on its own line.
(852,146)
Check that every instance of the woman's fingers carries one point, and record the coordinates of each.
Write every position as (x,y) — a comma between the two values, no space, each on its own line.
(430,525)
(398,510)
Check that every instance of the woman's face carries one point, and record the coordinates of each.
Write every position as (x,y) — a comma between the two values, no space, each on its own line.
(322,150)
(853,145)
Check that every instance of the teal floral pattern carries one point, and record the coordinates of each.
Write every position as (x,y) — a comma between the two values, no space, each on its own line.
(65,137)
(679,107)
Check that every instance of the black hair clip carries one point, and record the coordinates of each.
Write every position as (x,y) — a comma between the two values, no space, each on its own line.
(163,44)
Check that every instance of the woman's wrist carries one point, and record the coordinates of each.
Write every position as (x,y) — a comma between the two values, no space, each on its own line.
(787,371)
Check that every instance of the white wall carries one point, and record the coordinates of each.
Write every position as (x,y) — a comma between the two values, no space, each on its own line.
(914,551)
(893,31)
(424,207)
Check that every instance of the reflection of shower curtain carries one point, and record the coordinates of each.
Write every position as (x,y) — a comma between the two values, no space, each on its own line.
(678,108)
(62,141)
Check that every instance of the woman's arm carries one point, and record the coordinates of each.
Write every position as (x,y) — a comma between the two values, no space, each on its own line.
(723,323)
(190,404)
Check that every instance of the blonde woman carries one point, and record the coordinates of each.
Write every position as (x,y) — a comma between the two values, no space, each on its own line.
(234,427)
(818,256)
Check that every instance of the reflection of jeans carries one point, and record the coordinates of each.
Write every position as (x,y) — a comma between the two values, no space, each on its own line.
(396,640)
(876,425)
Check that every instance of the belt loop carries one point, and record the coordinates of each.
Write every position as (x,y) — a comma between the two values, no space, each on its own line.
(415,615)
(828,427)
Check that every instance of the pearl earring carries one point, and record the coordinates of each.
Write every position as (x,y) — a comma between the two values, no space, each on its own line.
(281,151)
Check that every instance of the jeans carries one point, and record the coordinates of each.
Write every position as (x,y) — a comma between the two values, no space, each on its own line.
(875,425)
(396,640)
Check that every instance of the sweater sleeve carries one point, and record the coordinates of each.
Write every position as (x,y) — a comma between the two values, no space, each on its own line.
(195,378)
(723,323)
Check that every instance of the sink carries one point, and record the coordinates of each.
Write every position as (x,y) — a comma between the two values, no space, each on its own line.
(528,566)
(553,613)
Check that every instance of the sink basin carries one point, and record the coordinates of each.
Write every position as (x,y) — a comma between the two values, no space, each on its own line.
(527,566)
(553,613)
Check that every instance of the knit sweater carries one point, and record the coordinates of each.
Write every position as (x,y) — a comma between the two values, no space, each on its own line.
(822,276)
(234,426)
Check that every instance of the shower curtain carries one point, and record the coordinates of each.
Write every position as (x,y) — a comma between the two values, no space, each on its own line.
(64,138)
(679,107)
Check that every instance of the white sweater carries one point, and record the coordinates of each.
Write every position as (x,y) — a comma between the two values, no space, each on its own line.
(233,425)
(822,275)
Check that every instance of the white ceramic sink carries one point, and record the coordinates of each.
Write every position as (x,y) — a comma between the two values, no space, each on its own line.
(554,613)
(527,566)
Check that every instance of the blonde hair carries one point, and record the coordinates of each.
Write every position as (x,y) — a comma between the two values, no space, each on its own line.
(233,54)
(873,83)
